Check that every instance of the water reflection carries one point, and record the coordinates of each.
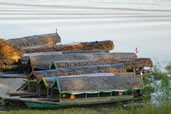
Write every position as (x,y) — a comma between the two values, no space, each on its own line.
(130,24)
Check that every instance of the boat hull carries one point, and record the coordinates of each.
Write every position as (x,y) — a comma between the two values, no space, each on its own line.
(77,102)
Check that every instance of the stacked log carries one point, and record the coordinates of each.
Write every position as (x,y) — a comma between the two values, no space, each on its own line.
(97,45)
(36,40)
(9,53)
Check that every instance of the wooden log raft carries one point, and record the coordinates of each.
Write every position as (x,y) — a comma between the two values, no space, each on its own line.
(97,45)
(36,40)
(45,60)
(129,63)
(114,68)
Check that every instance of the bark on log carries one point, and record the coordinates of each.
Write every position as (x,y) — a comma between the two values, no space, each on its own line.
(36,40)
(97,45)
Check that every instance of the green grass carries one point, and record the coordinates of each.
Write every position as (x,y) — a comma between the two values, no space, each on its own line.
(106,109)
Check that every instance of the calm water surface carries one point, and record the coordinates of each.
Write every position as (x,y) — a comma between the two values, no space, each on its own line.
(130,24)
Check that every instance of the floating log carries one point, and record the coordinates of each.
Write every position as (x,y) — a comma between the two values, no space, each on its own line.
(129,63)
(115,68)
(97,45)
(36,40)
(45,60)
(9,53)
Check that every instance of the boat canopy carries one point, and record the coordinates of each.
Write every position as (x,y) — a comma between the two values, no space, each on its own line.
(93,84)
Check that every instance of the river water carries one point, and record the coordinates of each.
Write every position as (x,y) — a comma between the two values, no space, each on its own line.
(145,24)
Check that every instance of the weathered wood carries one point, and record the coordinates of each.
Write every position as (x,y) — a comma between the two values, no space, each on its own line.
(36,40)
(97,45)
(45,60)
(129,63)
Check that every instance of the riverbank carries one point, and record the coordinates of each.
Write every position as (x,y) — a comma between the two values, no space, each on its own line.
(111,109)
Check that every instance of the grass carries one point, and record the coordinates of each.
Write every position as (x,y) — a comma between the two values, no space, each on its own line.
(106,109)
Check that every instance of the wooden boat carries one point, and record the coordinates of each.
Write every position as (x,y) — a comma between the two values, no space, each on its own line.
(76,90)
(37,104)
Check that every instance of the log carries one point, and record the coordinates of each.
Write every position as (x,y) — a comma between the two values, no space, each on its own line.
(36,40)
(114,68)
(45,60)
(129,63)
(97,45)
